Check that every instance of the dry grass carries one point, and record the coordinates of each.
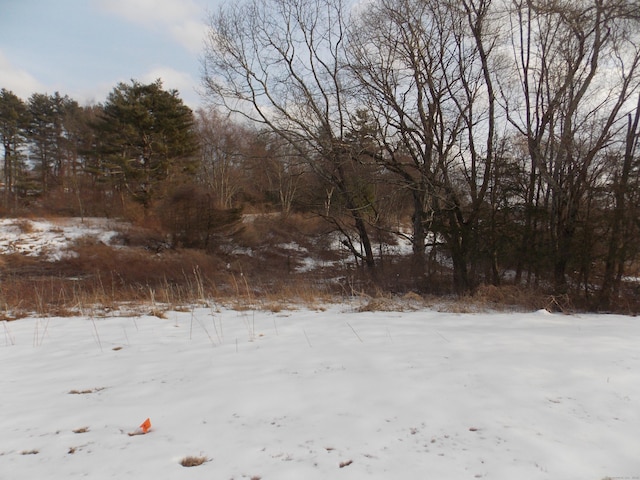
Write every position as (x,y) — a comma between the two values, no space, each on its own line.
(101,279)
(251,270)
(192,461)
(508,296)
(104,278)
(25,226)
(383,302)
(86,391)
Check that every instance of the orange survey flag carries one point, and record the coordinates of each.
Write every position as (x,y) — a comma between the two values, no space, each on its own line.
(146,426)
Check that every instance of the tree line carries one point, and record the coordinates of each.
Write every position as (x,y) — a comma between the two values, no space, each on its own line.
(508,129)
(498,137)
(142,154)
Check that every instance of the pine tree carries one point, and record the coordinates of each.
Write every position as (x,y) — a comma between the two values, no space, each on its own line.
(14,118)
(148,135)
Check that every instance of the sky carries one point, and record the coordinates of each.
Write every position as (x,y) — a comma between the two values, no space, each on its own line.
(84,48)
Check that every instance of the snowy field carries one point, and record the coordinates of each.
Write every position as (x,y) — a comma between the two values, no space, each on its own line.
(322,395)
(51,239)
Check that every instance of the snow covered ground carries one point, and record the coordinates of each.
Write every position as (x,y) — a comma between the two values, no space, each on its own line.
(322,394)
(51,238)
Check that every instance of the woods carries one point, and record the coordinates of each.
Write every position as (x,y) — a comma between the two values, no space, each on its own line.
(499,138)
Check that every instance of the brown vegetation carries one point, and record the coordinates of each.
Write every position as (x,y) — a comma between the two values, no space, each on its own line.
(29,452)
(85,391)
(259,266)
(192,461)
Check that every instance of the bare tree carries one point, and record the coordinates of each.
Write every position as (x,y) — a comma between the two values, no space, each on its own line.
(279,63)
(424,68)
(282,168)
(617,253)
(13,132)
(221,155)
(576,66)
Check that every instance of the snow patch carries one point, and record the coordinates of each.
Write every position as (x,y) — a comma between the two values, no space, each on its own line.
(51,239)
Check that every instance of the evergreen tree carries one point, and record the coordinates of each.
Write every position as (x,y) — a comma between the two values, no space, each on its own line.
(49,135)
(148,135)
(14,118)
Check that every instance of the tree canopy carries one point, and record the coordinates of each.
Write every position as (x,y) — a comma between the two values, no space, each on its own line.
(148,135)
(452,87)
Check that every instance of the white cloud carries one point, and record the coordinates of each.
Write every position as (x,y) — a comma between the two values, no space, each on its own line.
(190,34)
(151,12)
(181,18)
(19,81)
(23,84)
(95,94)
(171,78)
(174,79)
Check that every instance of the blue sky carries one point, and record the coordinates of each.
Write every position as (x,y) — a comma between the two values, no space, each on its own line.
(83,48)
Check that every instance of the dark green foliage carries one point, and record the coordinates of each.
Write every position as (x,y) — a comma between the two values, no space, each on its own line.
(148,135)
(51,136)
(14,120)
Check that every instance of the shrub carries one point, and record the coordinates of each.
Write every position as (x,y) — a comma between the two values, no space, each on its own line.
(192,218)
(192,461)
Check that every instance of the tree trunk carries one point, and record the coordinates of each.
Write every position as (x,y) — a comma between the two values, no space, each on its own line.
(418,239)
(461,282)
(615,256)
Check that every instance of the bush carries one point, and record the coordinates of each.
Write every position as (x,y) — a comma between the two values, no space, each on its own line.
(192,219)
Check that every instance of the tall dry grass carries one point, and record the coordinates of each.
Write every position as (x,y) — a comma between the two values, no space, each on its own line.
(252,270)
(102,279)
